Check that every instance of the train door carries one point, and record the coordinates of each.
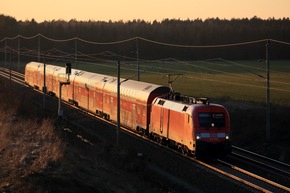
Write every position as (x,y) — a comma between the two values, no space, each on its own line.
(72,91)
(65,92)
(93,101)
(33,78)
(190,133)
(112,109)
(38,80)
(133,126)
(166,121)
(161,120)
(103,95)
(86,97)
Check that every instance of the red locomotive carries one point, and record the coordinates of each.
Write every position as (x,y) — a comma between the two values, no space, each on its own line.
(192,125)
(150,109)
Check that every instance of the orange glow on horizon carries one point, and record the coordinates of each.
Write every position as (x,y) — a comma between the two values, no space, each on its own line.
(148,10)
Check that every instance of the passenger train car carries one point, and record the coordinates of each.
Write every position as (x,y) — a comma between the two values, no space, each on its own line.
(189,124)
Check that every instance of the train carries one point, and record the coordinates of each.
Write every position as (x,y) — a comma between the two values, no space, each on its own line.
(192,125)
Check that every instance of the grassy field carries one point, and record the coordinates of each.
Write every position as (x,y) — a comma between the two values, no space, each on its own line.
(234,80)
(217,79)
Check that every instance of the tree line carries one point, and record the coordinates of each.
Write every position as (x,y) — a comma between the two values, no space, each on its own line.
(212,31)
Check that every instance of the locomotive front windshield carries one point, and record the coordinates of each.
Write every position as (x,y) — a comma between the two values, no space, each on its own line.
(211,119)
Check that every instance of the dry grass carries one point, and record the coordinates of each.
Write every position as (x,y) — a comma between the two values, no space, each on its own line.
(24,151)
(27,145)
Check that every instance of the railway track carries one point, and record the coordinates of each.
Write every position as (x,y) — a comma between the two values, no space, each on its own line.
(268,173)
(234,173)
(223,168)
(251,179)
(13,76)
(263,161)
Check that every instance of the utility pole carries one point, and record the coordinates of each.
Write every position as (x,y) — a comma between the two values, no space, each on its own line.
(18,52)
(38,47)
(76,52)
(10,62)
(118,103)
(44,83)
(138,66)
(5,50)
(268,93)
(68,72)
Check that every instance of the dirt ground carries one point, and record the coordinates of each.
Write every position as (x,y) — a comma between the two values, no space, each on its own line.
(53,159)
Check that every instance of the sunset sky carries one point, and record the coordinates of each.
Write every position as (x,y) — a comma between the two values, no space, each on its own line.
(148,10)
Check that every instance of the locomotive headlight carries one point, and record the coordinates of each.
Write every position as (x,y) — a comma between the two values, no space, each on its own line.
(198,137)
(227,136)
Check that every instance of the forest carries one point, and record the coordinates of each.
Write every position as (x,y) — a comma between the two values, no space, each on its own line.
(169,38)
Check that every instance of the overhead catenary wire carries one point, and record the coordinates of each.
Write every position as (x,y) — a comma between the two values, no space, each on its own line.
(147,40)
(202,46)
(57,55)
(89,57)
(280,42)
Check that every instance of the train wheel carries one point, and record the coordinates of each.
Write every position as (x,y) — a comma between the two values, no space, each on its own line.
(185,150)
(107,117)
(158,139)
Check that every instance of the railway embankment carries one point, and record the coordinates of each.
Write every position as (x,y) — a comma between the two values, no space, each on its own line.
(39,153)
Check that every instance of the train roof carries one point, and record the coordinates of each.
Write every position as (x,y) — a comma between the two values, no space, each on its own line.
(49,69)
(135,90)
(185,106)
(90,79)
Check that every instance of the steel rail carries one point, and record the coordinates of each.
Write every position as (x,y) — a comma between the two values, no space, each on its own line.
(256,176)
(261,156)
(262,164)
(6,70)
(13,78)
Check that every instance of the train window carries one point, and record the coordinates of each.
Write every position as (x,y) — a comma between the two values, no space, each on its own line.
(147,87)
(184,108)
(211,119)
(161,102)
